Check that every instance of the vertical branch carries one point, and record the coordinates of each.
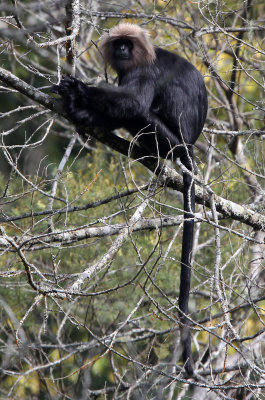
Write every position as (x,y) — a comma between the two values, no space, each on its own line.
(72,26)
(218,276)
(57,177)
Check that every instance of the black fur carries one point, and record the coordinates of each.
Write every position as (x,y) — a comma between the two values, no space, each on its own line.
(164,103)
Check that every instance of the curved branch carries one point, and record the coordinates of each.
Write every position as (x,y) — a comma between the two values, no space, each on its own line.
(168,176)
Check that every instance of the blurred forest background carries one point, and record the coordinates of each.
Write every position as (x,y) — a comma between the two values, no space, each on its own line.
(90,255)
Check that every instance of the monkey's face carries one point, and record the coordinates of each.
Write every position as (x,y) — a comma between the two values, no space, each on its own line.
(122,53)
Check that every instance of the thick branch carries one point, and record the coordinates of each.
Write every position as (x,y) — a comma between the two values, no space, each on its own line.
(69,236)
(168,176)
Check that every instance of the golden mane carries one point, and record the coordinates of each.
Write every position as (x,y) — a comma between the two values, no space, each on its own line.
(143,49)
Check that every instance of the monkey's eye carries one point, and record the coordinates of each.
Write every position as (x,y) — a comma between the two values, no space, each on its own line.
(123,49)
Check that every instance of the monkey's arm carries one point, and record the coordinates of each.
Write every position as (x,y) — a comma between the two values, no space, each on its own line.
(113,102)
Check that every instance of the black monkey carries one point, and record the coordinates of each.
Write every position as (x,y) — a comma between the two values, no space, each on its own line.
(162,99)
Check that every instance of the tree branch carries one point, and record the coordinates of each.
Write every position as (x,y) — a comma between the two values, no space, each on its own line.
(168,176)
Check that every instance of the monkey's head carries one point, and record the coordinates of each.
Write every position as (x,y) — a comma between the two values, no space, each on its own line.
(126,46)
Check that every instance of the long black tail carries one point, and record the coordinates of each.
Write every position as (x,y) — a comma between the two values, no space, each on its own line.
(185,274)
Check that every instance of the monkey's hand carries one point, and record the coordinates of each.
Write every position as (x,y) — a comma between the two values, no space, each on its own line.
(74,96)
(69,84)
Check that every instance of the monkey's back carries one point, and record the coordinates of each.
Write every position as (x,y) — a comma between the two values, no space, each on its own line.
(180,95)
